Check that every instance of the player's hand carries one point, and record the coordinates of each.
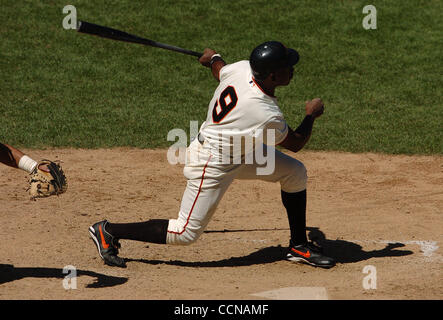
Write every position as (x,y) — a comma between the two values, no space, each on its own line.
(43,167)
(315,107)
(205,59)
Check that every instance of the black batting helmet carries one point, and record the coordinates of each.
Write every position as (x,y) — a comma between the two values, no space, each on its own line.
(270,56)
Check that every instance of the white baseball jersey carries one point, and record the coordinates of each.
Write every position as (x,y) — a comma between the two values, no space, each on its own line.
(239,108)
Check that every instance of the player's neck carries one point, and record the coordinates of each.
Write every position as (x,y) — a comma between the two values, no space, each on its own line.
(266,87)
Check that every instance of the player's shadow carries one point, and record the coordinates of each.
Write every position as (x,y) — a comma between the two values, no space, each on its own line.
(265,255)
(348,252)
(341,250)
(10,273)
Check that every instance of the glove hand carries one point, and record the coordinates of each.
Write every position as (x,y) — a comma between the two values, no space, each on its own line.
(47,179)
(43,167)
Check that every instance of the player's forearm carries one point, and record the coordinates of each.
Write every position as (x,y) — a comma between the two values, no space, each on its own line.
(212,60)
(297,139)
(13,157)
(217,63)
(9,155)
(304,130)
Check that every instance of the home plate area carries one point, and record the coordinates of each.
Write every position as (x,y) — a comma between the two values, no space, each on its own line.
(295,293)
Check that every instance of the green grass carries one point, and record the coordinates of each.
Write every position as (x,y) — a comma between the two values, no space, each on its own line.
(59,88)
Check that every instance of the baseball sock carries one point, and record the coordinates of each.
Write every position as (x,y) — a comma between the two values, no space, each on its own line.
(295,204)
(153,231)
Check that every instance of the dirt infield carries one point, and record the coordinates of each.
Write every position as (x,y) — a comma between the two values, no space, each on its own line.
(366,209)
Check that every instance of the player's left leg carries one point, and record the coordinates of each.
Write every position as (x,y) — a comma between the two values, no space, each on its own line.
(292,176)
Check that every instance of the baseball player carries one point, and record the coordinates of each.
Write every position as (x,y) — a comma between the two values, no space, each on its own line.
(243,105)
(46,177)
(13,157)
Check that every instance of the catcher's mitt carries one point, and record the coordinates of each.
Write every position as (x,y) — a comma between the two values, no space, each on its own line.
(44,184)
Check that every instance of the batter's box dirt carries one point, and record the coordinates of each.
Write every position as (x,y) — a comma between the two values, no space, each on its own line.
(364,209)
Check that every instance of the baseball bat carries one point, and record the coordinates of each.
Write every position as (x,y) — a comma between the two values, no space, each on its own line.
(106,32)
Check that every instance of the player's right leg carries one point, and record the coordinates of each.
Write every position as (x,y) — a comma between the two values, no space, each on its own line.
(199,203)
(206,184)
(106,243)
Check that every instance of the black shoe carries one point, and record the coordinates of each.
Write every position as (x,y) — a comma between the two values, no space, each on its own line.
(106,244)
(309,253)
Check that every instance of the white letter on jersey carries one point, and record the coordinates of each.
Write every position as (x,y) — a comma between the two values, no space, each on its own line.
(180,145)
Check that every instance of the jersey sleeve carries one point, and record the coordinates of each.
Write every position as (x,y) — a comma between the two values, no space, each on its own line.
(230,69)
(274,131)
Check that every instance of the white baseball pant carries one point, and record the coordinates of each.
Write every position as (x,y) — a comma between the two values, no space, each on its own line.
(208,180)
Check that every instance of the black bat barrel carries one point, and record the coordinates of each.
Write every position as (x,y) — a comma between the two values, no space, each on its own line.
(106,32)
